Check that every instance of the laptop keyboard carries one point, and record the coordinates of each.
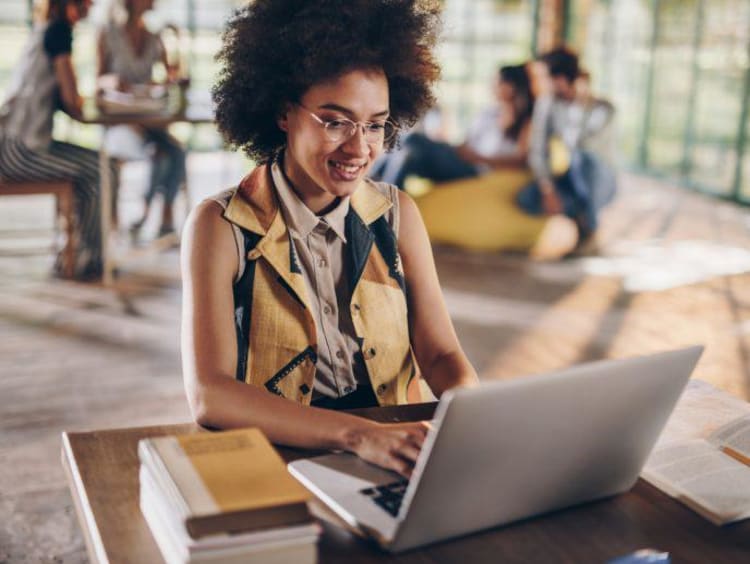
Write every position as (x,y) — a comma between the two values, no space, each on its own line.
(388,496)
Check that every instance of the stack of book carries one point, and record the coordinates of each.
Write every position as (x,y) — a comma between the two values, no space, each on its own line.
(224,497)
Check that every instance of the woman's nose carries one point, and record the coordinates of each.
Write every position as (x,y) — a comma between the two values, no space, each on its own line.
(357,144)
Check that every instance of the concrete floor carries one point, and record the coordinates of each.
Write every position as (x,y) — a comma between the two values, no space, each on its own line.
(673,270)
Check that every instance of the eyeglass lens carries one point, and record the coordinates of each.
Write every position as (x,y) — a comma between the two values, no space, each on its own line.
(343,129)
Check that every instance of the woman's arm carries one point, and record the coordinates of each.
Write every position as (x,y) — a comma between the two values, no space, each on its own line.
(105,80)
(209,357)
(520,158)
(493,119)
(439,355)
(66,79)
(172,70)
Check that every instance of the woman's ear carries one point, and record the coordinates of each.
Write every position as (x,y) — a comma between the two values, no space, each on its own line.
(282,120)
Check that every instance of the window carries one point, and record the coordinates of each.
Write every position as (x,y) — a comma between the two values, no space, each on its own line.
(677,70)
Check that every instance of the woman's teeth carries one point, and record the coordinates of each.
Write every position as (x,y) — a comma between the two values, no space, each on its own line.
(346,168)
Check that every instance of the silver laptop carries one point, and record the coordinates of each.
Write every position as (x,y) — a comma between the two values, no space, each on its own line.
(508,450)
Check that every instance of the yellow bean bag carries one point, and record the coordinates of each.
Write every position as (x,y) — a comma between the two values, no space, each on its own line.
(481,214)
(478,213)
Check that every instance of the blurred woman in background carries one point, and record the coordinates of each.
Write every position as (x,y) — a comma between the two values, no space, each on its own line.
(127,54)
(499,138)
(44,81)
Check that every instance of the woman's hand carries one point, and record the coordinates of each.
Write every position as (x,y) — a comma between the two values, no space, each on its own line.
(469,155)
(551,202)
(394,446)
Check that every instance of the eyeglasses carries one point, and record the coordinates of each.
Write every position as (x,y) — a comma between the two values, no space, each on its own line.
(342,129)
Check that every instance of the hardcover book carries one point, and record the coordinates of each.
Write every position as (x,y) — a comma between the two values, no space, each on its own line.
(224,482)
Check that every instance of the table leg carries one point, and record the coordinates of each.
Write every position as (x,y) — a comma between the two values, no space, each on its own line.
(105,180)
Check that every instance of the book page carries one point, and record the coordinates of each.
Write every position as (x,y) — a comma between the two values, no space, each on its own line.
(703,477)
(736,436)
(701,410)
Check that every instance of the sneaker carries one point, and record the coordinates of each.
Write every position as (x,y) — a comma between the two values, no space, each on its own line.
(587,246)
(165,230)
(135,231)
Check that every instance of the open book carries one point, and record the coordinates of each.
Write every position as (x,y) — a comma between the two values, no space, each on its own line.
(703,458)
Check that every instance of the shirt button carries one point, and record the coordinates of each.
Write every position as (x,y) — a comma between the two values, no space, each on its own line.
(322,262)
(382,388)
(340,354)
(369,353)
(348,390)
(327,310)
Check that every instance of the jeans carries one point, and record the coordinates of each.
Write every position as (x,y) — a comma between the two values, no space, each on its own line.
(167,166)
(588,185)
(421,156)
(165,153)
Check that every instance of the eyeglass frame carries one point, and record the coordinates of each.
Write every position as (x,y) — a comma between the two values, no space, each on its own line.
(357,125)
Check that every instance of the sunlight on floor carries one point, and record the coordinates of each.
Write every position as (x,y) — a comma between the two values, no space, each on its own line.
(660,265)
(563,332)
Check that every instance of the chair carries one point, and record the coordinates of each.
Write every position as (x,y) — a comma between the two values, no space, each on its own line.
(62,190)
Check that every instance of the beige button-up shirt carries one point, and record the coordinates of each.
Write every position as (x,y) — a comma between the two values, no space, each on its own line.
(320,244)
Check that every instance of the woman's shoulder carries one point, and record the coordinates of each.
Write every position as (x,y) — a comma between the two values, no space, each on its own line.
(391,193)
(208,215)
(388,190)
(395,198)
(222,198)
(206,221)
(58,38)
(207,228)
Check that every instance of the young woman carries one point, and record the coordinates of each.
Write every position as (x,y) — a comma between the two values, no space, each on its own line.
(127,55)
(44,81)
(309,286)
(498,139)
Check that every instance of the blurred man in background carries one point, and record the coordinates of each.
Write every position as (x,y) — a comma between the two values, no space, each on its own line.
(567,111)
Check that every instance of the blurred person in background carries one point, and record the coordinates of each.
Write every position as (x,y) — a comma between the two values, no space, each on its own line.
(498,138)
(567,111)
(44,81)
(127,54)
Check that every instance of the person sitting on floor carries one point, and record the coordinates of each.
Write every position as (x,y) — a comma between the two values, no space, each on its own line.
(127,55)
(310,288)
(498,139)
(583,124)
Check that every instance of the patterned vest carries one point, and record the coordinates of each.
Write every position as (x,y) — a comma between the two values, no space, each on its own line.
(276,334)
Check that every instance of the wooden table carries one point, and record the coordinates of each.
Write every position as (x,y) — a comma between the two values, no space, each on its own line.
(102,471)
(179,107)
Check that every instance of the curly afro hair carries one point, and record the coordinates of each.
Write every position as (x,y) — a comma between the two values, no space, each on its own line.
(274,50)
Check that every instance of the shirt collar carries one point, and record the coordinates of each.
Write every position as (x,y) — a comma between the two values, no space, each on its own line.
(300,219)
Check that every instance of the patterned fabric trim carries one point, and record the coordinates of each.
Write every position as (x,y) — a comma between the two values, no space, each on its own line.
(243,304)
(272,385)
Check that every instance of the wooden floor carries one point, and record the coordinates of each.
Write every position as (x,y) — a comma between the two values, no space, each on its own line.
(672,270)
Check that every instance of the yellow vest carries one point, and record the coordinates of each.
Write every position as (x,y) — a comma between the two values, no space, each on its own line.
(276,334)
